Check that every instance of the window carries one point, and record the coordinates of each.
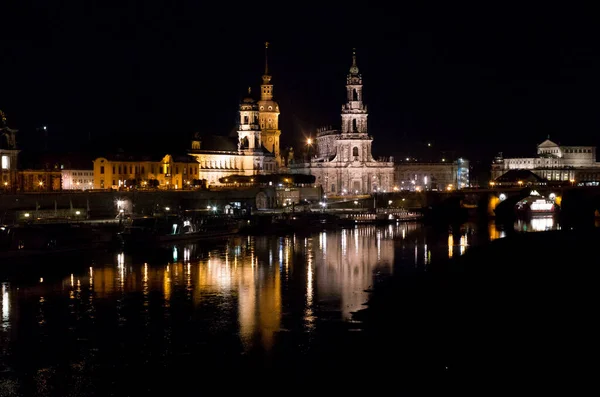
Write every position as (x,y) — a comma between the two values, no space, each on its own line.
(177,169)
(113,169)
(245,119)
(333,187)
(5,162)
(119,171)
(143,170)
(354,95)
(130,170)
(114,182)
(355,151)
(354,125)
(102,169)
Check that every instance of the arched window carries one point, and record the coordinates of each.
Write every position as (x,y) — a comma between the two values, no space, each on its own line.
(245,119)
(355,151)
(354,95)
(354,125)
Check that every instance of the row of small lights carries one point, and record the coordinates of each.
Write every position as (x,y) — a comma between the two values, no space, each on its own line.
(492,183)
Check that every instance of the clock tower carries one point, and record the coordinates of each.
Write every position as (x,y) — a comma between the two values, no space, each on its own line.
(268,114)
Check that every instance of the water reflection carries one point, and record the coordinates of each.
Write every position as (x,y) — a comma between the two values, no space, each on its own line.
(5,306)
(235,297)
(537,224)
(344,271)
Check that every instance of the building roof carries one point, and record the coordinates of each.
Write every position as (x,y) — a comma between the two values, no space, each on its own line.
(218,143)
(547,143)
(514,176)
(178,158)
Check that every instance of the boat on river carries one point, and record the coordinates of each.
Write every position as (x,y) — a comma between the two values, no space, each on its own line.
(162,229)
(536,204)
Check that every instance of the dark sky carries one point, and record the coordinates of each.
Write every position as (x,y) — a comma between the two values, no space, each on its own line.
(471,80)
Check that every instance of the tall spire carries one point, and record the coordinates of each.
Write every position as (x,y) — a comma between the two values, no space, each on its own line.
(354,68)
(266,58)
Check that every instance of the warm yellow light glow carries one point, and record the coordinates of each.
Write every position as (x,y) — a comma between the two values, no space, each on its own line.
(309,141)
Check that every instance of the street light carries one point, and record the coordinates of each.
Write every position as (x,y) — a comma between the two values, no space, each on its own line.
(309,142)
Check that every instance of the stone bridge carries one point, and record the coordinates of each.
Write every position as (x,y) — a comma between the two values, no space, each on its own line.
(578,204)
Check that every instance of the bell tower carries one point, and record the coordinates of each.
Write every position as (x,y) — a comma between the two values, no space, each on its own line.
(354,111)
(268,113)
(249,134)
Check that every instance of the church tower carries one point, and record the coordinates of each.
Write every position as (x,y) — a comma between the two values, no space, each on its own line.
(354,111)
(269,114)
(249,134)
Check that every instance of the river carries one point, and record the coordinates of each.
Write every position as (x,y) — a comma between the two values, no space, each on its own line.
(112,323)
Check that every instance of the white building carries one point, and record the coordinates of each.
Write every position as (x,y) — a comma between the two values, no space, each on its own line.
(554,162)
(419,176)
(343,162)
(73,179)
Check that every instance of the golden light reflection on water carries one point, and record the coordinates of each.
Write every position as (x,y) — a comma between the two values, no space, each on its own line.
(328,272)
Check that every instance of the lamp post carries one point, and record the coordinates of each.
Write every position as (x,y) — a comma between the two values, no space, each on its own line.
(308,148)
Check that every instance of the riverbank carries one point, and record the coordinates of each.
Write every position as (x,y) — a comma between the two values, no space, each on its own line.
(512,310)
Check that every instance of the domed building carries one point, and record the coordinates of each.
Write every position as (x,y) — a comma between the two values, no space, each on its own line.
(254,147)
(222,156)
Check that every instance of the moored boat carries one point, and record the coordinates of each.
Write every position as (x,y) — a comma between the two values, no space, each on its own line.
(174,228)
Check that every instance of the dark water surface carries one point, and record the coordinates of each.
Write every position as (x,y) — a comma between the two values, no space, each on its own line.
(195,317)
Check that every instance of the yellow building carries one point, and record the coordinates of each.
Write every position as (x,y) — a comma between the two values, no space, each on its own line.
(121,171)
(268,114)
(252,150)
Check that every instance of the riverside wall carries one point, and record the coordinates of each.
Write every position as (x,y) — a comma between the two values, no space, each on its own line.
(107,203)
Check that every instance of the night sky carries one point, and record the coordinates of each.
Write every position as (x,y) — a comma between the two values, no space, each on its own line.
(472,81)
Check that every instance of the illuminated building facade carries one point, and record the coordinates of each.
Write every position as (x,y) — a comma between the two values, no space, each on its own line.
(268,115)
(36,180)
(554,162)
(73,179)
(220,157)
(168,172)
(8,156)
(343,162)
(432,176)
(253,149)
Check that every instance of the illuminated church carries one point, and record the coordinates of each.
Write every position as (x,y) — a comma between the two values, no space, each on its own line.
(343,162)
(253,149)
